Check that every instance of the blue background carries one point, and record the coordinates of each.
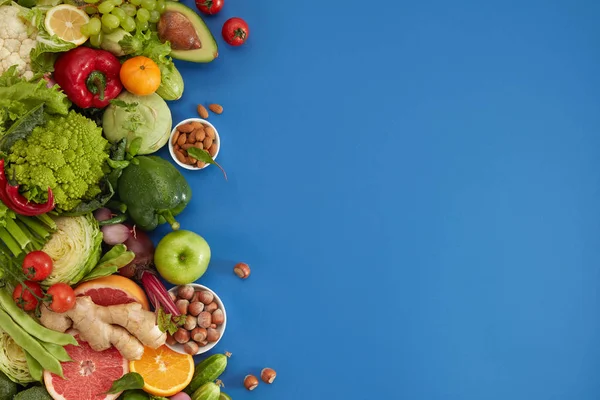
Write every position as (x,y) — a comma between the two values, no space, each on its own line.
(416,186)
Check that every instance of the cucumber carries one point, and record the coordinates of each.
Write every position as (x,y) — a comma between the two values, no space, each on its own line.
(224,396)
(208,391)
(207,370)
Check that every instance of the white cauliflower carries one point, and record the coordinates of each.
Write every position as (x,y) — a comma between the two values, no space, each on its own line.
(17,39)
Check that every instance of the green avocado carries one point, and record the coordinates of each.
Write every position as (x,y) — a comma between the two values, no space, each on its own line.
(208,50)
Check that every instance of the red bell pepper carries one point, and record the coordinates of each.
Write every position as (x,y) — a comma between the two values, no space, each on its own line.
(89,77)
(10,196)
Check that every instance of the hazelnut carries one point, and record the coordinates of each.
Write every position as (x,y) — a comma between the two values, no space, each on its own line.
(242,270)
(250,382)
(212,335)
(185,292)
(203,343)
(211,307)
(204,319)
(199,334)
(190,322)
(182,306)
(196,297)
(173,297)
(195,308)
(218,317)
(171,340)
(206,297)
(191,347)
(182,336)
(214,326)
(268,375)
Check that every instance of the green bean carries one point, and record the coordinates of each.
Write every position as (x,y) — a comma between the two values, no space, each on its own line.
(119,219)
(35,369)
(30,325)
(29,344)
(57,351)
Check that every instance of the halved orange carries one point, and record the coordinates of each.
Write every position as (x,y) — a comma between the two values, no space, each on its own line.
(165,371)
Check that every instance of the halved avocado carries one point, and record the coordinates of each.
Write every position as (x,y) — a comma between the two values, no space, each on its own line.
(208,49)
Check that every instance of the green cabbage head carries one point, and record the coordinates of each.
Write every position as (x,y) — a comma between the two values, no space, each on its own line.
(12,360)
(75,249)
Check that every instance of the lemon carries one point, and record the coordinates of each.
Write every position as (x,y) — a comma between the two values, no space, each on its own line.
(65,21)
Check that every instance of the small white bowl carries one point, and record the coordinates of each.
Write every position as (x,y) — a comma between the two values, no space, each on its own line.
(185,121)
(221,328)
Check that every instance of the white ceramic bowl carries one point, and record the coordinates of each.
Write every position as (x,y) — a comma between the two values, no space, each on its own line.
(221,328)
(185,121)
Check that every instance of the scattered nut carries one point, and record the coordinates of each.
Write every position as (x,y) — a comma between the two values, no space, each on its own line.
(190,322)
(206,297)
(196,308)
(218,317)
(204,319)
(202,111)
(185,292)
(175,137)
(212,335)
(242,270)
(216,108)
(182,306)
(250,382)
(211,307)
(191,347)
(199,334)
(268,375)
(182,336)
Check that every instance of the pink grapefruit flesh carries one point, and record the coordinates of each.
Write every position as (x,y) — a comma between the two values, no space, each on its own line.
(89,376)
(108,296)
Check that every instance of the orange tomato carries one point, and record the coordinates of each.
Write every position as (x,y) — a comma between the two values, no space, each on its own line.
(140,76)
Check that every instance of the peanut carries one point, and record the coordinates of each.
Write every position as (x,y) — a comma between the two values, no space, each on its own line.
(202,111)
(180,156)
(216,108)
(185,128)
(213,149)
(207,142)
(182,139)
(175,137)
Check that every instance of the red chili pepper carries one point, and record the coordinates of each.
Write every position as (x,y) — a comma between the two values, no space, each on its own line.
(89,77)
(10,196)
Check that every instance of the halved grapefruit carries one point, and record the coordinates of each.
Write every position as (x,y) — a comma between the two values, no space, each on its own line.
(112,290)
(89,376)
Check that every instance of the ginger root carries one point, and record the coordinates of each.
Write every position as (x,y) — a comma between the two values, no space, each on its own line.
(126,326)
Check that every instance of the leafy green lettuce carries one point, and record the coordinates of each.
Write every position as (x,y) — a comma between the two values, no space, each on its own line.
(19,96)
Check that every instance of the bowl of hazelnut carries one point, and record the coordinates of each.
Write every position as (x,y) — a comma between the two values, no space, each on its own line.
(205,319)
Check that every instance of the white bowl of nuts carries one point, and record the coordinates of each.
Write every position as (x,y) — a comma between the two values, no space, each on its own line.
(205,322)
(193,132)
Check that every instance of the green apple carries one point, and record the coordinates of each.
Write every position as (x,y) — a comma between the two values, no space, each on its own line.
(182,257)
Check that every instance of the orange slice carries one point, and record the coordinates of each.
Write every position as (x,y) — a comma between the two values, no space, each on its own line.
(165,371)
(65,21)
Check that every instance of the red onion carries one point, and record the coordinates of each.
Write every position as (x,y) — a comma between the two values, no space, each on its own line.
(142,246)
(157,293)
(115,234)
(180,396)
(102,214)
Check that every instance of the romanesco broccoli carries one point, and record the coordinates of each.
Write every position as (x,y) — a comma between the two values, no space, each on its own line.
(67,154)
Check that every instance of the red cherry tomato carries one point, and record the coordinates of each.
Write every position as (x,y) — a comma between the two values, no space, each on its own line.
(235,31)
(37,265)
(63,297)
(25,297)
(209,7)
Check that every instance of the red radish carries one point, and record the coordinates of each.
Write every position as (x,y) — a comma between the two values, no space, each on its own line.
(89,376)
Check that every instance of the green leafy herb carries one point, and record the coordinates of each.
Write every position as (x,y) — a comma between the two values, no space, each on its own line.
(167,322)
(23,127)
(107,192)
(134,146)
(129,107)
(129,381)
(203,155)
